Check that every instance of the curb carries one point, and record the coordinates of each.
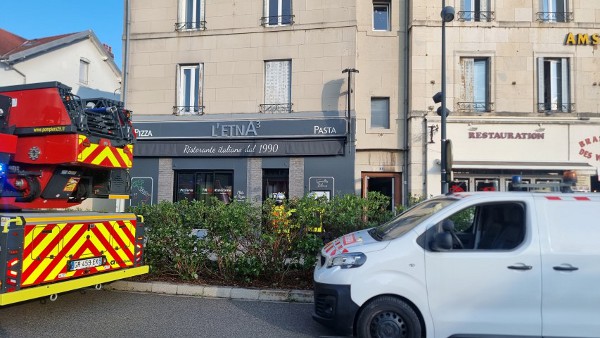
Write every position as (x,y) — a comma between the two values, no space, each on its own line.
(273,295)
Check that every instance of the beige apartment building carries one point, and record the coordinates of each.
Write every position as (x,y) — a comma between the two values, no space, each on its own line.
(244,99)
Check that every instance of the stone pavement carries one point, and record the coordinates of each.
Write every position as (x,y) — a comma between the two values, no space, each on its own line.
(300,296)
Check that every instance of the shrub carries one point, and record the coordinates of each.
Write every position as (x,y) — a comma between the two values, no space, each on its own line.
(246,242)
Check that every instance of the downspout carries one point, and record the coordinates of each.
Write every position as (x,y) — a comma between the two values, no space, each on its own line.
(405,143)
(126,61)
(9,65)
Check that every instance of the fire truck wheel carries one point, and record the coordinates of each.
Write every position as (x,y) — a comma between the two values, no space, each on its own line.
(33,190)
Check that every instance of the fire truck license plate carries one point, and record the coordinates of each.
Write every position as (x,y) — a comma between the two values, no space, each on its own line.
(85,263)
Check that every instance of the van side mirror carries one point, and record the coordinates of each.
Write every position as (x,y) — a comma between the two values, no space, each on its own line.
(442,242)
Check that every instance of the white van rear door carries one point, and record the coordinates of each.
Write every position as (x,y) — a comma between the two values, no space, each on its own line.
(488,288)
(570,243)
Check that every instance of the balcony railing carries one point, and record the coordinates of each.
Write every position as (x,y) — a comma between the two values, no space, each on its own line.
(554,16)
(193,25)
(551,108)
(275,108)
(188,110)
(475,107)
(477,16)
(281,20)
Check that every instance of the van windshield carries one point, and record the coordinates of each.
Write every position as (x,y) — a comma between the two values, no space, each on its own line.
(409,219)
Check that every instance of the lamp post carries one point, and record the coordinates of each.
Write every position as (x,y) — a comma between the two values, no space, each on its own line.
(447,15)
(349,71)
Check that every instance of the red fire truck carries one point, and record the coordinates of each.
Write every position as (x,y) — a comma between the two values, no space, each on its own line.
(56,150)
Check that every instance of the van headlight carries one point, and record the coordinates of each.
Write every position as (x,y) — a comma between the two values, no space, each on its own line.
(348,260)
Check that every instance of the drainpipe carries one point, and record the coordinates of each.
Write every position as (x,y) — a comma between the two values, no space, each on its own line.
(126,61)
(9,65)
(406,129)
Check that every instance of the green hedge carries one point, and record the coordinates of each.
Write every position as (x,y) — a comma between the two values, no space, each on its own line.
(241,244)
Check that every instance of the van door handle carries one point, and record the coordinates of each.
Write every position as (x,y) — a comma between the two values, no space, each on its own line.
(520,266)
(566,267)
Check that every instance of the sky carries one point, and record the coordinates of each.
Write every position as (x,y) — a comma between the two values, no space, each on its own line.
(33,19)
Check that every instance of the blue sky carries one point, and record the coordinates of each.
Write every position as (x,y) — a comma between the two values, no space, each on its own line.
(32,19)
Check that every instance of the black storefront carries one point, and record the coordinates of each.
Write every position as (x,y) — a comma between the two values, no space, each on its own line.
(240,159)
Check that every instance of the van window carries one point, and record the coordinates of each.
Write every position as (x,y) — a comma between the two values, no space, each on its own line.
(409,219)
(495,226)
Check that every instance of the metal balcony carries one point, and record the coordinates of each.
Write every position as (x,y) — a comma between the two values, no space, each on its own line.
(475,107)
(188,110)
(275,108)
(281,20)
(554,16)
(192,25)
(477,16)
(551,108)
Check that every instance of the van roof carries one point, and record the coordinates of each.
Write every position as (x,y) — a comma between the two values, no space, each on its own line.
(552,196)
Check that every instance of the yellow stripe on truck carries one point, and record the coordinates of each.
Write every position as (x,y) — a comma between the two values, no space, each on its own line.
(51,289)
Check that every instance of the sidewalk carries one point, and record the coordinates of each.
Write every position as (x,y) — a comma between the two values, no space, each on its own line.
(299,296)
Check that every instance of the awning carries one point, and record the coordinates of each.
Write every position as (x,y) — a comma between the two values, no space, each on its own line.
(581,167)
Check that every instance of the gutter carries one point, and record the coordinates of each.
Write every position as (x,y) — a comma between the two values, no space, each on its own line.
(9,65)
(405,142)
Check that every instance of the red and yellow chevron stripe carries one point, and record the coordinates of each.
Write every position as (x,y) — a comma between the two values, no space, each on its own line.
(49,247)
(105,156)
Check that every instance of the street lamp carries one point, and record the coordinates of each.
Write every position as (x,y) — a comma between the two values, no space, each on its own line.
(447,15)
(349,71)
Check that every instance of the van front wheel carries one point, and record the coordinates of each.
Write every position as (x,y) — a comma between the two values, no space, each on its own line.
(388,317)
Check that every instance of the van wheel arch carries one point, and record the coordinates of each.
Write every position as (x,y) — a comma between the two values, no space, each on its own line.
(394,297)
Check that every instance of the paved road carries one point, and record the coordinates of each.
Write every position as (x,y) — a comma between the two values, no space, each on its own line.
(127,314)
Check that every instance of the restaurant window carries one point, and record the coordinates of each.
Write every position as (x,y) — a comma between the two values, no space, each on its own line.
(459,185)
(554,85)
(487,184)
(475,89)
(203,185)
(275,181)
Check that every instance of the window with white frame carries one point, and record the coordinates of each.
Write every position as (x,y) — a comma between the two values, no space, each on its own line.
(278,13)
(380,112)
(381,16)
(554,85)
(278,84)
(189,90)
(475,89)
(191,15)
(554,11)
(84,70)
(476,10)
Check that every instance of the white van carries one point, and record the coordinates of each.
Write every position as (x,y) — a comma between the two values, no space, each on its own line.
(490,264)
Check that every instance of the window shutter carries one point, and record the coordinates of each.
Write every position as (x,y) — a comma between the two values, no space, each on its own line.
(565,87)
(540,70)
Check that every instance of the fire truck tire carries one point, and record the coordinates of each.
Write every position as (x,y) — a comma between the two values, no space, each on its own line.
(98,286)
(53,297)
